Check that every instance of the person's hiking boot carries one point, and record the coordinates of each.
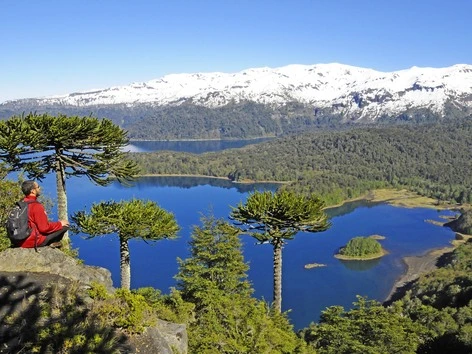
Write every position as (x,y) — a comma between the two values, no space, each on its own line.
(57,244)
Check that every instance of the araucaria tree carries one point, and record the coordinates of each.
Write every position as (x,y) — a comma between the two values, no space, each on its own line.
(275,218)
(67,146)
(129,219)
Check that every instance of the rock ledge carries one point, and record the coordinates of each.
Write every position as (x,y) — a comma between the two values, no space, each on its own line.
(24,272)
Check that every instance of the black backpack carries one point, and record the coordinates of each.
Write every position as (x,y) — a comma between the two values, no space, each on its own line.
(17,222)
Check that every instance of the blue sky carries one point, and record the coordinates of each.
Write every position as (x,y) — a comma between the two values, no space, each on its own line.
(50,47)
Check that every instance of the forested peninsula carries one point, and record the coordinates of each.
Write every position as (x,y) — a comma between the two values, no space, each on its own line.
(433,160)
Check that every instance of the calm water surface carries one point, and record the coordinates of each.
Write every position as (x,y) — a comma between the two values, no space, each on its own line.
(305,291)
(196,147)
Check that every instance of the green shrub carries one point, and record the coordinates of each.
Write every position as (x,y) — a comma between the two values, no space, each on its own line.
(125,310)
(10,193)
(170,307)
(368,328)
(135,310)
(98,291)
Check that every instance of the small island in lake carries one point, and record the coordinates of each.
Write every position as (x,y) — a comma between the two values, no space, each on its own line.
(314,265)
(362,248)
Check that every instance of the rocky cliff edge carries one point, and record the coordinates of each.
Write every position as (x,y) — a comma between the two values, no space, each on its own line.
(26,279)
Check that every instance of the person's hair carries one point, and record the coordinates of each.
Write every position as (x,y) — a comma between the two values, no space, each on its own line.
(27,187)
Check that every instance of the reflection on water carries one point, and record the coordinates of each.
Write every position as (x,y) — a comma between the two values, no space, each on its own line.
(349,207)
(360,266)
(187,182)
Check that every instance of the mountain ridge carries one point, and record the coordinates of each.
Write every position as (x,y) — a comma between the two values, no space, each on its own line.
(291,97)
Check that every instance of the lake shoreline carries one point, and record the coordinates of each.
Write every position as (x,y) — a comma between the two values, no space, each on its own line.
(212,177)
(400,198)
(419,265)
(202,140)
(396,197)
(415,267)
(366,258)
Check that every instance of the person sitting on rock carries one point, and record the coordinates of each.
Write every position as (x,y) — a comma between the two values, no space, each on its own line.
(43,232)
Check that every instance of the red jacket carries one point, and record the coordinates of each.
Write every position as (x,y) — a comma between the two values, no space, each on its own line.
(39,223)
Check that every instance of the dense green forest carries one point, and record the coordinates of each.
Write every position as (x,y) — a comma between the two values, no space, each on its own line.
(236,120)
(242,120)
(434,160)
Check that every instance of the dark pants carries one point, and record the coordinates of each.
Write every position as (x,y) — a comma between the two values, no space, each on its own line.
(54,237)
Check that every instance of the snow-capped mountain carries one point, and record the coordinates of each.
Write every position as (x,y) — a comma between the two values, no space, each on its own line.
(353,92)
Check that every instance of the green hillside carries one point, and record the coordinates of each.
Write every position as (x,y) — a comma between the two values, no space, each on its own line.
(434,160)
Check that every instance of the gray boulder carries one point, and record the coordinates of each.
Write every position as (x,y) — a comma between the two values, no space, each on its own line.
(164,338)
(53,261)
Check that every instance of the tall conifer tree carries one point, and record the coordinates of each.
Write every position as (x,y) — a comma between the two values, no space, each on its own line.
(275,218)
(129,219)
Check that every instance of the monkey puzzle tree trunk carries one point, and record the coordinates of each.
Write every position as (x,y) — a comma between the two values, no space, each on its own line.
(61,195)
(125,267)
(278,243)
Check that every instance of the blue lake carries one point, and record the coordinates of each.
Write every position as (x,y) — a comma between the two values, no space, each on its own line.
(306,292)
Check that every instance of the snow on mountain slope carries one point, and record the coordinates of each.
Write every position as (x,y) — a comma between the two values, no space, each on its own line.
(351,90)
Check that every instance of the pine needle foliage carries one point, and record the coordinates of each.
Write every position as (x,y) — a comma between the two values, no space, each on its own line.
(270,216)
(135,218)
(216,262)
(9,194)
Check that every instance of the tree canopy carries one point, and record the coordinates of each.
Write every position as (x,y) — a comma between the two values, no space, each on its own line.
(74,146)
(369,328)
(361,247)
